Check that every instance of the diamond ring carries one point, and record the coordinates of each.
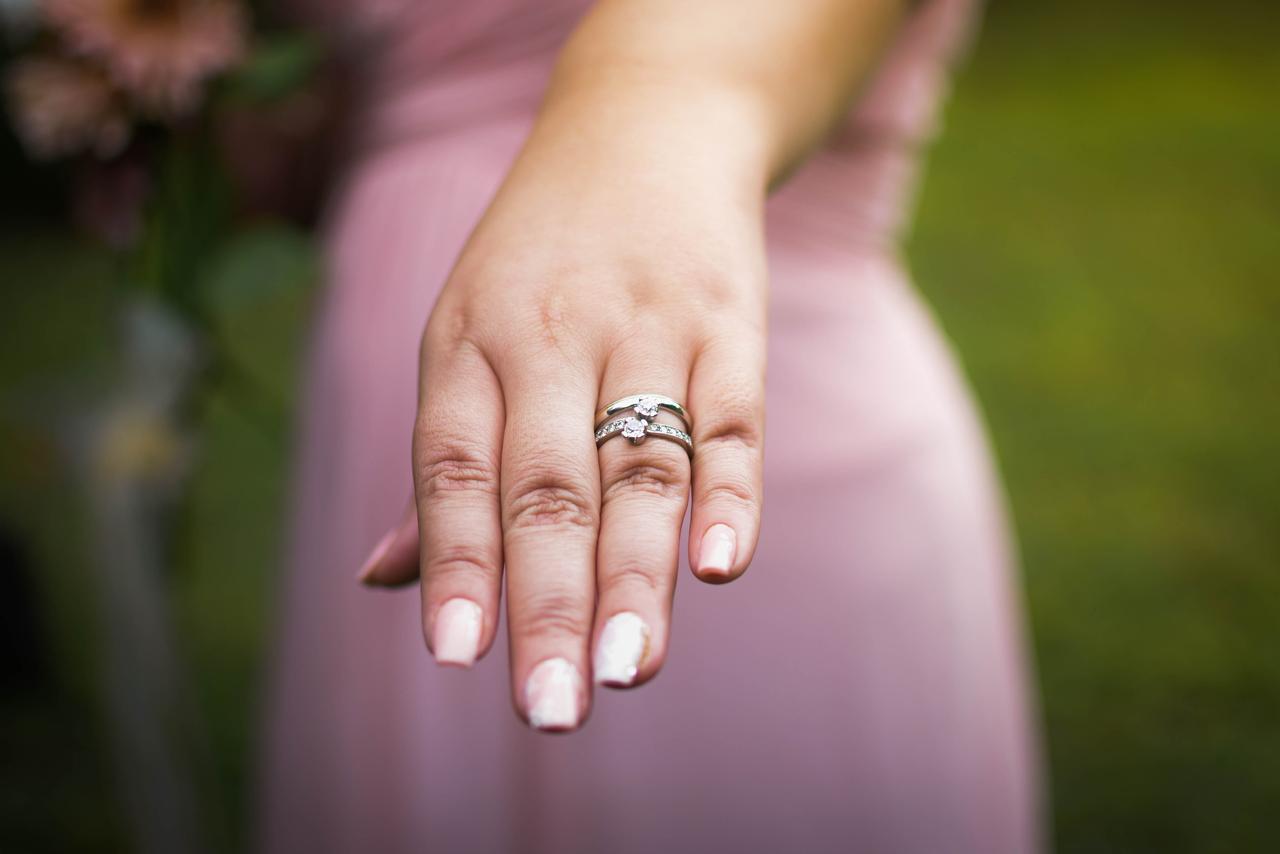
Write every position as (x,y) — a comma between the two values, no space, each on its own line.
(645,406)
(636,429)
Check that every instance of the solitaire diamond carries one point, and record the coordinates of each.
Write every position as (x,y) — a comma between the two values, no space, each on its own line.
(647,406)
(633,428)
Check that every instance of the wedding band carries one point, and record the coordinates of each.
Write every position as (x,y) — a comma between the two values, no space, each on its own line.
(636,429)
(645,406)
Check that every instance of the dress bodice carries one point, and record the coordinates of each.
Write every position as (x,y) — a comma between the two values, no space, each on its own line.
(429,67)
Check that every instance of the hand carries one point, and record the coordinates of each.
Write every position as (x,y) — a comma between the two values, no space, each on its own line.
(619,257)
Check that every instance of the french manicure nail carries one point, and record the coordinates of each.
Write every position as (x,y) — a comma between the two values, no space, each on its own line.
(552,694)
(365,575)
(719,545)
(622,648)
(456,638)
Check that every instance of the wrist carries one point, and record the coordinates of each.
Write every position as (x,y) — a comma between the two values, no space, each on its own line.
(652,136)
(636,172)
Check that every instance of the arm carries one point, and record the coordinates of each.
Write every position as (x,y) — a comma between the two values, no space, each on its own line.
(623,254)
(774,76)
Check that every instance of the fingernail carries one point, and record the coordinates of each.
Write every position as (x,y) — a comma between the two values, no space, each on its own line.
(719,544)
(365,575)
(456,638)
(552,694)
(623,647)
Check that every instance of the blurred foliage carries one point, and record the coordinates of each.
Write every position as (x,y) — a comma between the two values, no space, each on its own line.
(1097,233)
(276,68)
(172,221)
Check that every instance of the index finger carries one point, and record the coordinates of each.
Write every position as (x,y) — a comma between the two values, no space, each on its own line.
(456,447)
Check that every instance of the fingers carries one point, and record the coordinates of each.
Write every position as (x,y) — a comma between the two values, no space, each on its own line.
(550,514)
(644,493)
(726,391)
(506,468)
(456,451)
(394,560)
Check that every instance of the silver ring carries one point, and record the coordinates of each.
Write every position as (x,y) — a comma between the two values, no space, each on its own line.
(645,406)
(637,429)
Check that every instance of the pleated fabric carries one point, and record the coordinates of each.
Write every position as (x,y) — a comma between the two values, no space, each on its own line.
(863,688)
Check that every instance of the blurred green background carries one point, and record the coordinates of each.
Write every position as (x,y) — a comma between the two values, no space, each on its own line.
(1099,233)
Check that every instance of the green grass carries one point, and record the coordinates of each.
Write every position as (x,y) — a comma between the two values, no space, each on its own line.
(1099,232)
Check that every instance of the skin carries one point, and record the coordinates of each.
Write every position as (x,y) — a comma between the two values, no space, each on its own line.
(624,253)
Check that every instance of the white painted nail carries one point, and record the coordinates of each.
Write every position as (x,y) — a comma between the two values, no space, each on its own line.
(622,648)
(719,547)
(456,639)
(553,694)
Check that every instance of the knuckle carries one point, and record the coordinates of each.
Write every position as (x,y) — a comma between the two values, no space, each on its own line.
(553,614)
(543,499)
(718,290)
(737,321)
(734,427)
(554,323)
(460,562)
(631,579)
(455,467)
(451,323)
(716,286)
(545,312)
(661,475)
(734,491)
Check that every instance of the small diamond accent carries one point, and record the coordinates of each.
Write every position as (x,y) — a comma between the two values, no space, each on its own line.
(612,427)
(633,428)
(647,406)
(636,429)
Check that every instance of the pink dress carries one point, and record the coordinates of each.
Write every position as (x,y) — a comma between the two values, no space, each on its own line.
(862,688)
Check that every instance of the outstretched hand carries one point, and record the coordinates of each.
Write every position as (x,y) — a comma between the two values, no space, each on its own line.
(623,255)
(597,273)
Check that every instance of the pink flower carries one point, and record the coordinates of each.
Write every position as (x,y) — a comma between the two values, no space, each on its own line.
(62,107)
(160,52)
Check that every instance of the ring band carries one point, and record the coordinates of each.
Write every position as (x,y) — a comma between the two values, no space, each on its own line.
(645,406)
(637,429)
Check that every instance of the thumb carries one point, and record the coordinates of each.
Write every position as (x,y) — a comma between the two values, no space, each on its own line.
(394,560)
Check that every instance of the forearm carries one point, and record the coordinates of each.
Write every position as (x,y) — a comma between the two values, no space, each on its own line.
(743,87)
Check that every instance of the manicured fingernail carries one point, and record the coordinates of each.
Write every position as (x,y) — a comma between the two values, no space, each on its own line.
(623,647)
(719,545)
(552,694)
(456,639)
(365,575)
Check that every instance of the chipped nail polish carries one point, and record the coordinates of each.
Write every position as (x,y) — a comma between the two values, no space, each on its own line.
(552,695)
(622,649)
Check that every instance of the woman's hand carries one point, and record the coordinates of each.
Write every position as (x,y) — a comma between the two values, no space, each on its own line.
(608,265)
(623,255)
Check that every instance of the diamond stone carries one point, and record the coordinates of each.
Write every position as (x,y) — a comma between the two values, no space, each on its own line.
(633,428)
(647,406)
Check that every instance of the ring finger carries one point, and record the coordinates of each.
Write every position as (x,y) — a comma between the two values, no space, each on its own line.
(644,493)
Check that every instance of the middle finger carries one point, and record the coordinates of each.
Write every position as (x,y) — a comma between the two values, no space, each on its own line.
(551,509)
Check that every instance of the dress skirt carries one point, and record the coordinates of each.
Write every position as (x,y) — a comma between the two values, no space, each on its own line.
(862,688)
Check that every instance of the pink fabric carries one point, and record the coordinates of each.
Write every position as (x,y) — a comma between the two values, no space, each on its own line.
(862,688)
